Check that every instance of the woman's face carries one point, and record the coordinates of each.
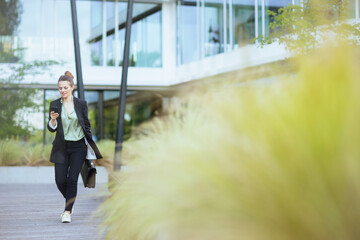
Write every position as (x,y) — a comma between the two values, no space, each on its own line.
(65,89)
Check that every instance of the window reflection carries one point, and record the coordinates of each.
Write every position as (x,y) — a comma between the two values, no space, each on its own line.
(352,9)
(110,48)
(96,56)
(188,34)
(92,98)
(244,22)
(140,107)
(204,29)
(145,43)
(213,42)
(46,35)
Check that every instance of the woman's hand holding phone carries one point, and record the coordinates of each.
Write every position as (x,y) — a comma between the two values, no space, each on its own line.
(54,115)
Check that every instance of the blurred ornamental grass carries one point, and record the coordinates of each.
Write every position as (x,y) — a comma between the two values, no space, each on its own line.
(107,149)
(10,153)
(280,161)
(14,152)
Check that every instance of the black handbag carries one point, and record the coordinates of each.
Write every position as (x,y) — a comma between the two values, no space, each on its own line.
(88,173)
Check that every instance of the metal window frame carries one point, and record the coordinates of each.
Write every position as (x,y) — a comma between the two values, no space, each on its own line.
(256,9)
(224,26)
(116,30)
(198,33)
(263,18)
(202,29)
(231,26)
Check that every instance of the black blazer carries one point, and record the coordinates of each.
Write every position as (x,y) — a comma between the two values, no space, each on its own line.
(58,151)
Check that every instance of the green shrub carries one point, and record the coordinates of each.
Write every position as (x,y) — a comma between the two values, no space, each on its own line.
(275,162)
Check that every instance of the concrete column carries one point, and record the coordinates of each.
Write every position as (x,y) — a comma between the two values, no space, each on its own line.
(169,41)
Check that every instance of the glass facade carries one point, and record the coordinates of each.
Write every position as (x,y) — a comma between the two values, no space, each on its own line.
(352,8)
(188,32)
(209,27)
(203,28)
(42,30)
(145,48)
(136,111)
(213,41)
(102,33)
(243,13)
(47,35)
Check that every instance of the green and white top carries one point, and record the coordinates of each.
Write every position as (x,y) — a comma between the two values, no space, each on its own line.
(71,126)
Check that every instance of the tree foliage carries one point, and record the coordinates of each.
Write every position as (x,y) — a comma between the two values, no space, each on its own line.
(10,16)
(14,99)
(304,27)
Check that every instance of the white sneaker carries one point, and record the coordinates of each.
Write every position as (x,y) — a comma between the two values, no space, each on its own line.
(65,217)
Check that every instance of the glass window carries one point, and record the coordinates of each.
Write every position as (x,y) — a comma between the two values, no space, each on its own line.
(146,41)
(136,111)
(145,46)
(95,13)
(213,42)
(243,22)
(96,53)
(110,54)
(110,39)
(63,34)
(92,98)
(30,23)
(85,21)
(110,113)
(188,32)
(352,9)
(96,31)
(46,35)
(110,10)
(90,32)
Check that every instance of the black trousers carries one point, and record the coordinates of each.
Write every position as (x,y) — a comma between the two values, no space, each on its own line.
(67,173)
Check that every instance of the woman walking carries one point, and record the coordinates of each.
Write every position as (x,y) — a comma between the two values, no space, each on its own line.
(73,141)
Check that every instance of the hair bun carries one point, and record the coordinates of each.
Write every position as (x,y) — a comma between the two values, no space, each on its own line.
(68,73)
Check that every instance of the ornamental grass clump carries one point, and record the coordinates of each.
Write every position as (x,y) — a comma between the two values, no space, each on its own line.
(36,154)
(10,155)
(106,148)
(266,163)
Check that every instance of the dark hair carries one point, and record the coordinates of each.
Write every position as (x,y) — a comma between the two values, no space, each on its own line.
(67,77)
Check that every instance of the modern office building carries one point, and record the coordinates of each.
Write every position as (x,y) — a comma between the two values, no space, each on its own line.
(173,42)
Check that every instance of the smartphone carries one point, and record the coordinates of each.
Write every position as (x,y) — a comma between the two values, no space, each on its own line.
(54,108)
